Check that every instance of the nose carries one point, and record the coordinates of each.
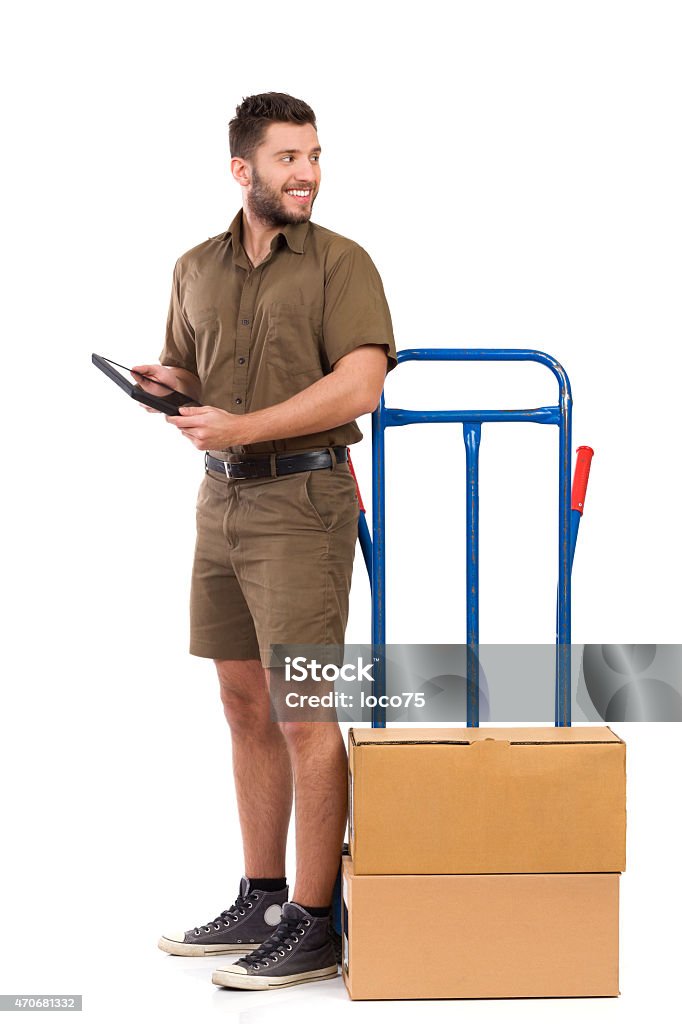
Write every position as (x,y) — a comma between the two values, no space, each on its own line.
(308,174)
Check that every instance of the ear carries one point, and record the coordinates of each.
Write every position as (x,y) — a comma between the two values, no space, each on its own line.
(241,172)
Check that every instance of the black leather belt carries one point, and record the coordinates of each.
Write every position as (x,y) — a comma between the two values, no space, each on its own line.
(262,465)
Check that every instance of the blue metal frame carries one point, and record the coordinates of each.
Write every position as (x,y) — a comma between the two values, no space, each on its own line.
(472,420)
(365,544)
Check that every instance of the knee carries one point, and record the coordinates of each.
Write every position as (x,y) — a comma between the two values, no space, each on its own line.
(245,701)
(239,710)
(300,735)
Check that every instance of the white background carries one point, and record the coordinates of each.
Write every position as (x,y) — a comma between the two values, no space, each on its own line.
(513,169)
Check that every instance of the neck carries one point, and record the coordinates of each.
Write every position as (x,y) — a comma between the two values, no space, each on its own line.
(256,236)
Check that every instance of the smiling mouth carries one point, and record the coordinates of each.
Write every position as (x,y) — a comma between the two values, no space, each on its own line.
(301,194)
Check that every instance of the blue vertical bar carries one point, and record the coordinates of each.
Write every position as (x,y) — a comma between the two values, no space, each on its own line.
(378,583)
(365,544)
(472,442)
(575,526)
(562,716)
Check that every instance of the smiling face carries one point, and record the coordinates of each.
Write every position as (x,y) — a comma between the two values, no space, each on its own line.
(283,176)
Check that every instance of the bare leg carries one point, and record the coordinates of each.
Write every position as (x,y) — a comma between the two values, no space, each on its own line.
(320,765)
(262,768)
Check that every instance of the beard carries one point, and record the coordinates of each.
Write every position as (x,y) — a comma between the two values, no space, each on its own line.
(268,205)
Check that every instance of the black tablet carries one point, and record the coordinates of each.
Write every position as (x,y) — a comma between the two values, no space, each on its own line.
(162,398)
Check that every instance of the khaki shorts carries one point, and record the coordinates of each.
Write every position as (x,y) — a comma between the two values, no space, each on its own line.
(273,562)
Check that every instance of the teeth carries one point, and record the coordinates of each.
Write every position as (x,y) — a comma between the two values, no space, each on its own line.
(298,191)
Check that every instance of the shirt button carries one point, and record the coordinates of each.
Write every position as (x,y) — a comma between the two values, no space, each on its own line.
(241,360)
(246,323)
(237,401)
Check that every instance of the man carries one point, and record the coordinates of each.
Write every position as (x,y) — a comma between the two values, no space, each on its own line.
(280,328)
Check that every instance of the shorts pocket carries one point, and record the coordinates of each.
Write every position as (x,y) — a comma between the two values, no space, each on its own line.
(211,491)
(331,497)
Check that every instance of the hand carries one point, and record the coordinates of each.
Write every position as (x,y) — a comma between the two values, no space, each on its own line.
(207,427)
(165,375)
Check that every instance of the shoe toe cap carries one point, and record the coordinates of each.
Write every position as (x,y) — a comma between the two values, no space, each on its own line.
(232,969)
(175,936)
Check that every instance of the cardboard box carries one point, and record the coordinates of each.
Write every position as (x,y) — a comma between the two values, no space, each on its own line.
(472,801)
(479,936)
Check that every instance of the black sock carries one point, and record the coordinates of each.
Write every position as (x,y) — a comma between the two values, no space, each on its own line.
(268,884)
(316,911)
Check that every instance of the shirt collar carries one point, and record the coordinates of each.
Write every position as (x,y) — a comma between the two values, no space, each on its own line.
(293,234)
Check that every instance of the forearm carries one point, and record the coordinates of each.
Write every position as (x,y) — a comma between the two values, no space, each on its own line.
(351,389)
(188,383)
(330,402)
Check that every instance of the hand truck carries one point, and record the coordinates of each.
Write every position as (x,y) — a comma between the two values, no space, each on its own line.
(571,506)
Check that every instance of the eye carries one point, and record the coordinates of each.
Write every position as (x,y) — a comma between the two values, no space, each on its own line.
(316,158)
(285,158)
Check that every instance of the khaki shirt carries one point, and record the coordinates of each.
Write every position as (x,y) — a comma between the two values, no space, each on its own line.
(257,336)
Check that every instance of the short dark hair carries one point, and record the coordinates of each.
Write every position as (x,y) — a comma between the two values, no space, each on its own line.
(250,123)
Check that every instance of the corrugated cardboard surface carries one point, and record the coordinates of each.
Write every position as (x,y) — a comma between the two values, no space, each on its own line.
(441,801)
(480,936)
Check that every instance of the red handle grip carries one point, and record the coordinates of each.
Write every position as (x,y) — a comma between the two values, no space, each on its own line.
(580,477)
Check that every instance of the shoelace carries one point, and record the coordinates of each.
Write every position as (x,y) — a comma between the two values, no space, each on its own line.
(287,932)
(237,910)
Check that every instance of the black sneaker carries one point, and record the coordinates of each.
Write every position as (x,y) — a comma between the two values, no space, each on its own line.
(298,951)
(248,922)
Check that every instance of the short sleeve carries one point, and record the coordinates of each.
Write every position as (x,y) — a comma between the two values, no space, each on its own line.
(355,309)
(179,349)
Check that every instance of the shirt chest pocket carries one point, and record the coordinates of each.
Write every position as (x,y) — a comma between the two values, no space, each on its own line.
(294,338)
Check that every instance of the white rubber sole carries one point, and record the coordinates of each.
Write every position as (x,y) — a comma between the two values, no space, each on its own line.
(228,979)
(192,949)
